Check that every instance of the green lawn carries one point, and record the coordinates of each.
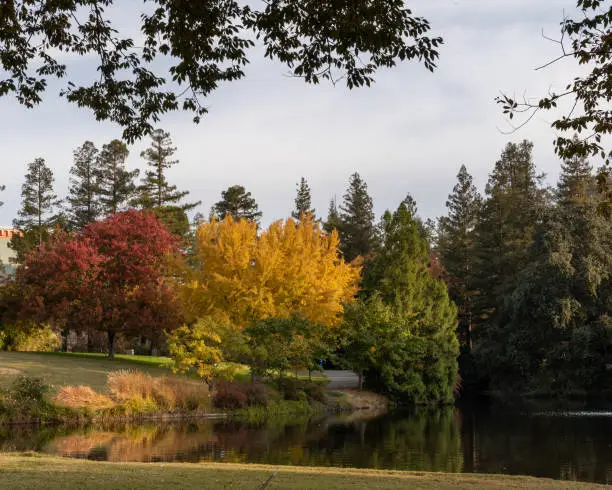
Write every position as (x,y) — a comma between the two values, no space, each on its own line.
(34,472)
(61,369)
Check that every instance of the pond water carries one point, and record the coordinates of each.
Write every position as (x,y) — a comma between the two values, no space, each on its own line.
(561,444)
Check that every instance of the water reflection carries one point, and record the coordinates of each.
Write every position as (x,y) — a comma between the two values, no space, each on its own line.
(485,439)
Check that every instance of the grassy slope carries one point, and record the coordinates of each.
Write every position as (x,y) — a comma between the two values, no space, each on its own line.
(61,369)
(75,369)
(18,472)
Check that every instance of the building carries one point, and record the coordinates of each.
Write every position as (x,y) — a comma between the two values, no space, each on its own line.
(6,253)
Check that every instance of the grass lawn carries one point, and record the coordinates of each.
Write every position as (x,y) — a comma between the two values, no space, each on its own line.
(61,369)
(34,472)
(67,368)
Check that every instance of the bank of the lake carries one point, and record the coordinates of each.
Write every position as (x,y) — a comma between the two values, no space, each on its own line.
(78,389)
(35,472)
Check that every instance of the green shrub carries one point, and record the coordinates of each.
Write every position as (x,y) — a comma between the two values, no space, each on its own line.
(26,389)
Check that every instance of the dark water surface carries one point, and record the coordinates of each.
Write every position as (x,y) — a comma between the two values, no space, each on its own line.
(562,444)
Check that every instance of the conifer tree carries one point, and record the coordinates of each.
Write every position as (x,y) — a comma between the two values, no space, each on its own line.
(456,247)
(116,183)
(333,217)
(35,217)
(576,181)
(515,201)
(357,230)
(84,192)
(238,204)
(155,191)
(303,200)
(420,361)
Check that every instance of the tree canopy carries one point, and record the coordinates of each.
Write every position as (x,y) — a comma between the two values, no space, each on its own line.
(184,50)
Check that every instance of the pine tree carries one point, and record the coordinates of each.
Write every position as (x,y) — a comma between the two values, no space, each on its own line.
(576,182)
(84,192)
(238,204)
(116,183)
(35,217)
(155,191)
(303,204)
(357,230)
(515,201)
(456,247)
(428,343)
(333,217)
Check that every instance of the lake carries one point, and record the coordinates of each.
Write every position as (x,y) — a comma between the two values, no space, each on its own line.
(571,444)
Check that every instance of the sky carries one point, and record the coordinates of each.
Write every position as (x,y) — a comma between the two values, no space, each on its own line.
(408,133)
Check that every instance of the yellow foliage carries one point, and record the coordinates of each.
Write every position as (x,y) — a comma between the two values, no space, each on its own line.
(289,269)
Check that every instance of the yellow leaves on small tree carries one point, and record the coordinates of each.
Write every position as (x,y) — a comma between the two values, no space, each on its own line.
(289,269)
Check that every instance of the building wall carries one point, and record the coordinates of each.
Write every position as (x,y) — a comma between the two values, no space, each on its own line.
(5,252)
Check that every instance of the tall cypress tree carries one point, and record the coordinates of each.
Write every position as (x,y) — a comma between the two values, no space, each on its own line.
(303,200)
(155,191)
(455,247)
(400,276)
(84,192)
(238,204)
(35,217)
(357,230)
(116,183)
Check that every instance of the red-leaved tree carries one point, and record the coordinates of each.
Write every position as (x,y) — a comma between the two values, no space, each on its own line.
(110,277)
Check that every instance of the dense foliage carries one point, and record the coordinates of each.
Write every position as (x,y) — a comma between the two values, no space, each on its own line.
(200,44)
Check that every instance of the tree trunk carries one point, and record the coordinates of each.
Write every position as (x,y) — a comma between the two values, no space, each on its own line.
(111,344)
(65,333)
(360,381)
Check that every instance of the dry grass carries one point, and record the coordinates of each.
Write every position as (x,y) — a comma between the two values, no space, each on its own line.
(35,472)
(82,397)
(167,393)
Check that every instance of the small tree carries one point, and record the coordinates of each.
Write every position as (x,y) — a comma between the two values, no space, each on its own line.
(303,201)
(238,204)
(198,348)
(278,345)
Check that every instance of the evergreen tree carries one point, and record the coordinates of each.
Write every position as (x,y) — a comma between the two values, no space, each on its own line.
(84,192)
(333,217)
(576,182)
(303,204)
(456,247)
(504,233)
(552,336)
(237,203)
(155,191)
(116,183)
(357,230)
(425,367)
(35,217)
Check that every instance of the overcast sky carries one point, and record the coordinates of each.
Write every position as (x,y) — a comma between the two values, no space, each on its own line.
(408,133)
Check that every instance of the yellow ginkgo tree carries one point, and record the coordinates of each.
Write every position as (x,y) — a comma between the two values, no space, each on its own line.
(289,269)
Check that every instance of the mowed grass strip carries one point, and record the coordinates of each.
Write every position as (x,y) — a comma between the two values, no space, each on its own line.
(37,472)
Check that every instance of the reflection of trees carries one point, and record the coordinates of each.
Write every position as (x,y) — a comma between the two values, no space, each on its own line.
(560,447)
(489,441)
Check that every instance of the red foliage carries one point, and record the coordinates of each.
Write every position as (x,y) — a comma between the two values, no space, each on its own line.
(108,277)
